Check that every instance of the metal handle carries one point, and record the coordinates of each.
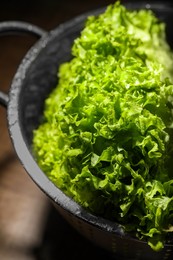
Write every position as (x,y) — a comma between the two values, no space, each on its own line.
(17,27)
(3,99)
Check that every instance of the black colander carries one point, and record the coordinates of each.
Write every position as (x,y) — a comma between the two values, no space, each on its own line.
(33,81)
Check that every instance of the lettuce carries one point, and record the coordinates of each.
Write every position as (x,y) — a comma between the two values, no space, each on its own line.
(107,134)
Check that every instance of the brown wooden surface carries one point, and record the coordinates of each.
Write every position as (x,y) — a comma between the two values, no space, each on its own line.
(23,207)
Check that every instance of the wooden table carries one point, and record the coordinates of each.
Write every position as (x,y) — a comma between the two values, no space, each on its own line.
(29,226)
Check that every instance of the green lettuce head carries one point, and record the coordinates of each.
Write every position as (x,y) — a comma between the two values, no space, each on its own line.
(107,135)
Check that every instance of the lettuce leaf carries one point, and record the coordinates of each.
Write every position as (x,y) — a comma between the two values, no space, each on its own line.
(107,135)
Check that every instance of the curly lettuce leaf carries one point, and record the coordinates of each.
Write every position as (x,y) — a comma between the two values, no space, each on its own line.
(107,135)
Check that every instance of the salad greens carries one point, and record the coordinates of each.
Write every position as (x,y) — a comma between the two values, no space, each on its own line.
(107,134)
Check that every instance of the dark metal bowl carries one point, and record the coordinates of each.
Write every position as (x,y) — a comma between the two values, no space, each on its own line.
(33,81)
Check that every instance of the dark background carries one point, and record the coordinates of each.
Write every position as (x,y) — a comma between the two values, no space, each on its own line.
(30,228)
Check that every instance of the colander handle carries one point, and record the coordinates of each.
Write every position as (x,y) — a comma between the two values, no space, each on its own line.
(17,27)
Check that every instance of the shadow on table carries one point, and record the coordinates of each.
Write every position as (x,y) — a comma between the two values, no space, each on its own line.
(62,242)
